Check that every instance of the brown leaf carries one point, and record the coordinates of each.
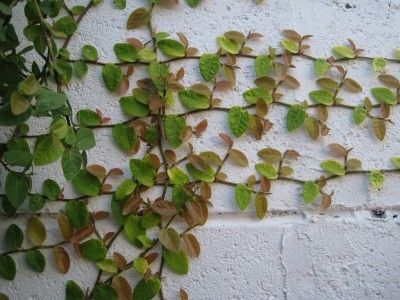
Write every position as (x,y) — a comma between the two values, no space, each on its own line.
(122,287)
(138,18)
(197,162)
(222,176)
(261,108)
(326,202)
(170,239)
(328,83)
(106,187)
(254,36)
(164,208)
(123,86)
(196,212)
(312,126)
(379,128)
(352,86)
(65,226)
(385,111)
(201,127)
(205,190)
(183,295)
(257,127)
(228,141)
(261,205)
(97,170)
(120,261)
(156,102)
(170,156)
(201,89)
(132,205)
(322,113)
(108,236)
(223,85)
(135,43)
(186,134)
(290,82)
(230,74)
(211,158)
(337,150)
(293,154)
(270,155)
(238,157)
(265,82)
(191,51)
(183,39)
(62,259)
(389,80)
(265,184)
(281,70)
(367,104)
(151,257)
(291,35)
(82,233)
(100,215)
(191,244)
(251,180)
(354,164)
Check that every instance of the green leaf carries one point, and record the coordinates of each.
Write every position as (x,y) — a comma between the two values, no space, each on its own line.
(359,114)
(87,183)
(209,66)
(36,260)
(104,292)
(291,46)
(7,267)
(263,65)
(36,202)
(379,64)
(177,176)
(59,128)
(94,250)
(171,48)
(180,196)
(18,158)
(133,107)
(71,162)
(125,189)
(295,117)
(310,191)
(206,176)
(228,45)
(254,94)
(333,167)
(90,53)
(143,171)
(396,161)
(124,136)
(147,55)
(150,220)
(322,97)
(321,66)
(138,18)
(48,150)
(80,69)
(140,264)
(239,120)
(158,73)
(47,100)
(125,52)
(77,213)
(343,52)
(173,127)
(13,237)
(29,86)
(376,179)
(193,3)
(17,187)
(267,170)
(384,95)
(7,118)
(176,261)
(66,25)
(147,289)
(19,103)
(133,230)
(242,196)
(85,139)
(193,100)
(51,189)
(107,265)
(87,117)
(77,10)
(112,76)
(120,4)
(74,291)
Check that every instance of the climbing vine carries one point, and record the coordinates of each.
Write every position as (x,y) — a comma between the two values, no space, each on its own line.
(149,136)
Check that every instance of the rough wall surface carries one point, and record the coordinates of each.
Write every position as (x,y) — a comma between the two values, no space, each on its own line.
(295,253)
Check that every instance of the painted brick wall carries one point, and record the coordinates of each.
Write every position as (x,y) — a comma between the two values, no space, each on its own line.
(295,253)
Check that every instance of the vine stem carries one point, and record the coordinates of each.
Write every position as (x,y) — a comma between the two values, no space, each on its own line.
(34,248)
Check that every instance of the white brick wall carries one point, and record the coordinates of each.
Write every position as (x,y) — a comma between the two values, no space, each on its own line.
(294,253)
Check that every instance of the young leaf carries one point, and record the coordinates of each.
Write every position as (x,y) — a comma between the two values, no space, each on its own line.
(295,117)
(359,114)
(242,195)
(343,52)
(379,64)
(333,167)
(321,66)
(267,170)
(209,66)
(239,120)
(112,76)
(310,191)
(176,261)
(291,46)
(376,178)
(263,65)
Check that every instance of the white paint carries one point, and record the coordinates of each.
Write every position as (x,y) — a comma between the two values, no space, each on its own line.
(294,253)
